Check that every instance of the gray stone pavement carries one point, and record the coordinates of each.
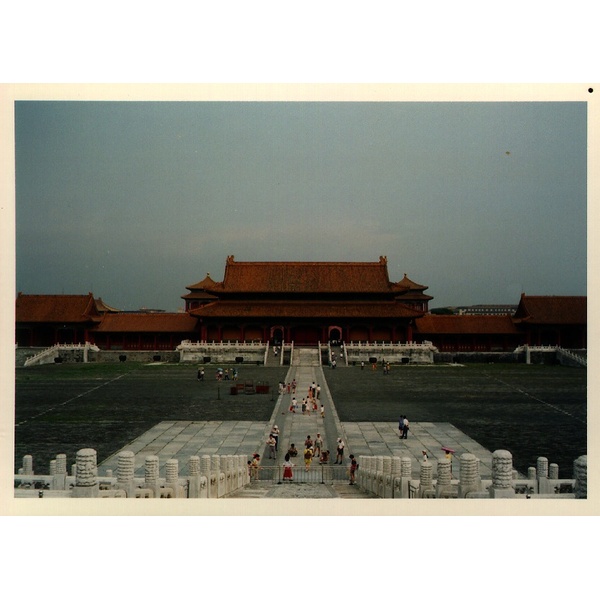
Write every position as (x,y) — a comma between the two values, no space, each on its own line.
(182,439)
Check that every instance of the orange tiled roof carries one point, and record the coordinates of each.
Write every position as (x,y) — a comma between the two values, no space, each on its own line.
(208,283)
(407,284)
(103,307)
(306,277)
(465,324)
(554,310)
(306,309)
(147,322)
(63,308)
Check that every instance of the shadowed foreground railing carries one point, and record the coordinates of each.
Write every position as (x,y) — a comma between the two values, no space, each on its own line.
(218,476)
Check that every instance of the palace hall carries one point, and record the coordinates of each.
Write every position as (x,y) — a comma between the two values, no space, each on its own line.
(304,303)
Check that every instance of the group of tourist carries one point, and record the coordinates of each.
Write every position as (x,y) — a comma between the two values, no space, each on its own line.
(309,403)
(403,427)
(220,375)
(386,366)
(333,360)
(313,448)
(223,375)
(288,388)
(314,389)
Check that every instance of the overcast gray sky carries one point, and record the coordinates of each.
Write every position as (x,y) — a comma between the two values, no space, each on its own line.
(134,201)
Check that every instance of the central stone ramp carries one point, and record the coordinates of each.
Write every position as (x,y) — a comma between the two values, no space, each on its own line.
(295,427)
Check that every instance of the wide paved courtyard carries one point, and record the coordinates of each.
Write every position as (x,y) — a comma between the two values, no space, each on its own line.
(530,410)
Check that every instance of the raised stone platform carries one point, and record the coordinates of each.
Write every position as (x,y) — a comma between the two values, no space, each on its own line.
(381,439)
(182,439)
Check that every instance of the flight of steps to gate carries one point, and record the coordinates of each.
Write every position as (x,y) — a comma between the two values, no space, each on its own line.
(306,357)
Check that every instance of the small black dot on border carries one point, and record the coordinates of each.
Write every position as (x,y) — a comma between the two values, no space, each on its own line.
(590,90)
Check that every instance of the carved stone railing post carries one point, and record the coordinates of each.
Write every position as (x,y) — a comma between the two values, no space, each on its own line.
(380,481)
(28,465)
(444,477)
(59,481)
(502,479)
(406,474)
(542,475)
(125,472)
(425,479)
(172,476)
(194,477)
(580,472)
(215,472)
(358,474)
(542,467)
(151,471)
(367,472)
(396,477)
(240,465)
(469,479)
(553,471)
(231,473)
(406,467)
(374,475)
(225,474)
(86,478)
(205,471)
(244,469)
(387,477)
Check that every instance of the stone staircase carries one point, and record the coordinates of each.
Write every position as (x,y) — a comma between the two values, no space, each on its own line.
(262,489)
(567,357)
(272,359)
(306,357)
(48,355)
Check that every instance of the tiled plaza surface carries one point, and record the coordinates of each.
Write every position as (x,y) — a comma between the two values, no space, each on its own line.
(182,439)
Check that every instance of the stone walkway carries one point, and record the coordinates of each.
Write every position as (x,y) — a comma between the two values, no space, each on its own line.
(182,439)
